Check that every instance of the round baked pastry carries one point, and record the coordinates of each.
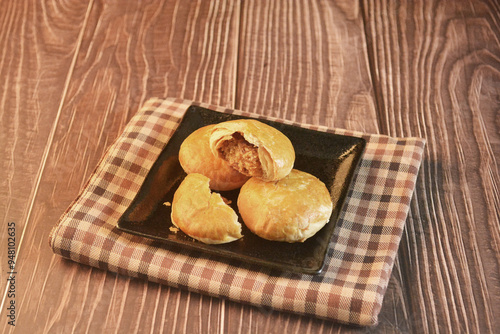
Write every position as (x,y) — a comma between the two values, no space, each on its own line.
(202,214)
(292,209)
(253,148)
(195,156)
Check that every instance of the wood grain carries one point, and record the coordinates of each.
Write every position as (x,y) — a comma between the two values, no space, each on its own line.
(305,61)
(38,42)
(436,68)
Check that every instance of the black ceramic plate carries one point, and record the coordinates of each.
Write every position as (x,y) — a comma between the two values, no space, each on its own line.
(330,157)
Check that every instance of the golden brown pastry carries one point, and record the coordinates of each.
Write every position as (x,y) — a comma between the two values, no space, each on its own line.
(195,156)
(203,215)
(292,209)
(253,148)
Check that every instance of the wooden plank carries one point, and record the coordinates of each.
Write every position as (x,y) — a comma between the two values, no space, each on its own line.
(306,61)
(38,42)
(128,53)
(436,65)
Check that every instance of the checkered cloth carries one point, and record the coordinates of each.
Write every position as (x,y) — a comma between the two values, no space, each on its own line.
(360,257)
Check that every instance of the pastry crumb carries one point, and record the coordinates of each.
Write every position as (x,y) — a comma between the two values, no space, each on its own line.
(173,229)
(167,204)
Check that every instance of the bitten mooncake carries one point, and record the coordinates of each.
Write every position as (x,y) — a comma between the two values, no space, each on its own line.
(195,156)
(253,148)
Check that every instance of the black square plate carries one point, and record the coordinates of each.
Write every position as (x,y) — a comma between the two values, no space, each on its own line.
(330,157)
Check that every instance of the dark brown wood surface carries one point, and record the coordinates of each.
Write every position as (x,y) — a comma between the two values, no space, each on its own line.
(74,72)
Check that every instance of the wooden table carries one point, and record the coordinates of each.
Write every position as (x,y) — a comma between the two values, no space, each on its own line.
(74,72)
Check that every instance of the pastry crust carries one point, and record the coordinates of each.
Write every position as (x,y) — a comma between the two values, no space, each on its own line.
(253,148)
(195,156)
(292,209)
(203,215)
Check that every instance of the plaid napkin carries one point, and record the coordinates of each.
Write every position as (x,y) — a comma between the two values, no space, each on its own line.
(360,257)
